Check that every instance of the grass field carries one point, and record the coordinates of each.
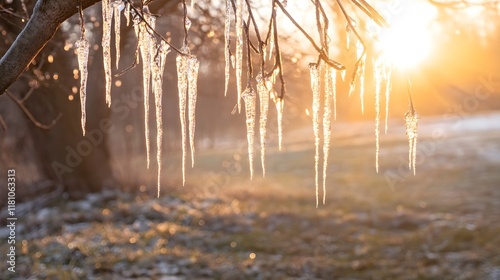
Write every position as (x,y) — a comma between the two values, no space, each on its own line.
(443,223)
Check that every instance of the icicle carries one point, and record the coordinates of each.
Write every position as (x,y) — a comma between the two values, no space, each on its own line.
(182,85)
(239,48)
(192,76)
(411,120)
(249,99)
(83,55)
(227,53)
(192,3)
(314,71)
(388,74)
(127,12)
(334,92)
(264,87)
(327,120)
(378,84)
(117,8)
(342,74)
(158,69)
(107,14)
(146,47)
(362,83)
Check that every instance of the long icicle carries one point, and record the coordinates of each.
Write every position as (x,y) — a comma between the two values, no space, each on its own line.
(249,99)
(158,69)
(327,120)
(264,87)
(83,56)
(227,52)
(192,73)
(182,65)
(107,14)
(117,8)
(314,71)
(378,83)
(82,52)
(239,48)
(145,46)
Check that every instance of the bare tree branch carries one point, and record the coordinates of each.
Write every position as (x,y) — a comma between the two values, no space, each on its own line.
(32,118)
(44,22)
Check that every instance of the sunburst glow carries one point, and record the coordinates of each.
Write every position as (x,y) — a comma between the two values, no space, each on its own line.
(408,41)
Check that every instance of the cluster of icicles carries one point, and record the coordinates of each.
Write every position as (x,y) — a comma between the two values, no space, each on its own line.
(153,55)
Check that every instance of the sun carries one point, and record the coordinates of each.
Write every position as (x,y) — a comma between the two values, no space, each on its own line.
(408,40)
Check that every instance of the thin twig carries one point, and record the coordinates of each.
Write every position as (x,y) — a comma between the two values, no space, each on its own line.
(353,28)
(139,14)
(82,22)
(25,9)
(29,115)
(371,12)
(259,39)
(10,12)
(330,62)
(185,19)
(279,62)
(3,123)
(244,27)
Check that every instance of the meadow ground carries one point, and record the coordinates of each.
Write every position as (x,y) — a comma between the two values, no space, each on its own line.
(443,223)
